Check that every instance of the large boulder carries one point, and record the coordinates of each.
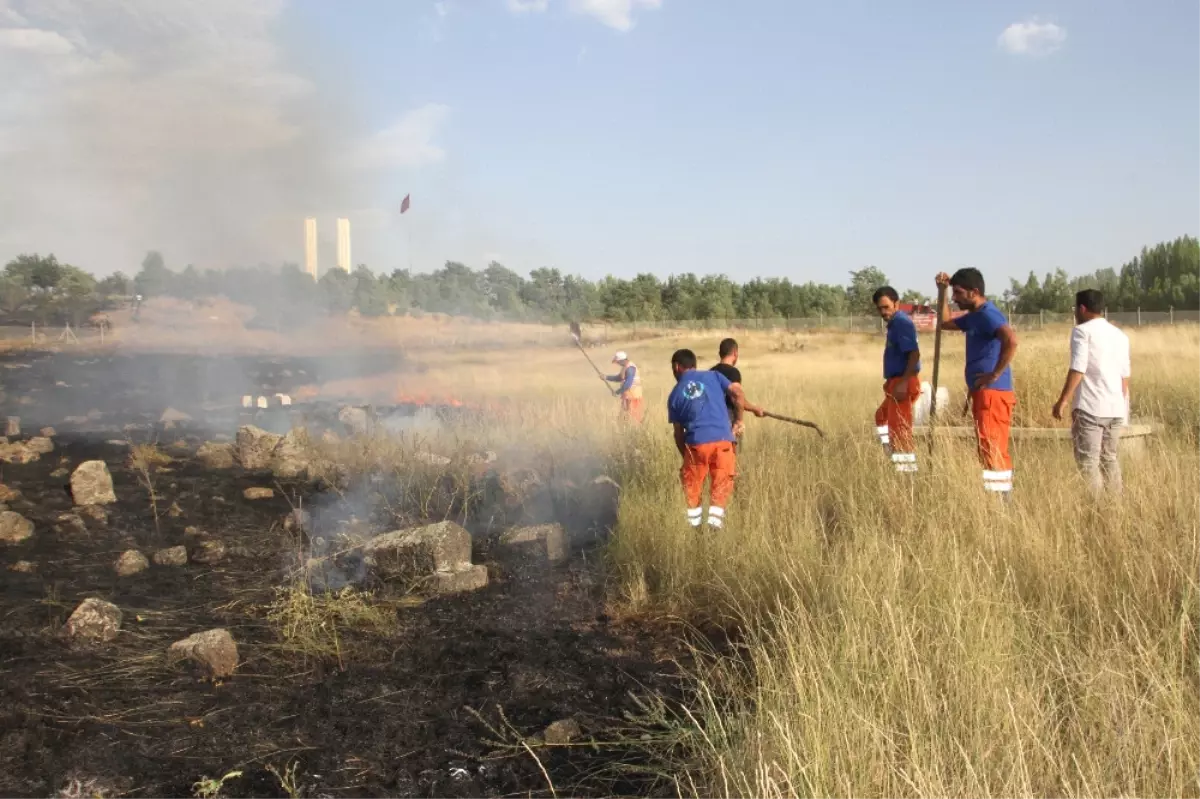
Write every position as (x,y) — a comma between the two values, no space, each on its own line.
(42,445)
(292,455)
(94,620)
(255,447)
(14,528)
(214,651)
(91,484)
(216,455)
(418,552)
(436,557)
(355,420)
(9,494)
(171,556)
(17,452)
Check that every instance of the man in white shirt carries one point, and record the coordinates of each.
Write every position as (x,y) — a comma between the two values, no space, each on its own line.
(1097,386)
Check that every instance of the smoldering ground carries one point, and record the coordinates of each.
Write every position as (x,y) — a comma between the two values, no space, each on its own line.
(411,696)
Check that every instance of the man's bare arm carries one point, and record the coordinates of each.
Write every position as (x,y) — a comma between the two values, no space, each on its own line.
(680,438)
(741,403)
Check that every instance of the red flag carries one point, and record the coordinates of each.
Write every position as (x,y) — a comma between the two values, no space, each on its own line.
(404,204)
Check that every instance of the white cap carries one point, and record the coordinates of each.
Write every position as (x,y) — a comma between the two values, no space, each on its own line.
(620,356)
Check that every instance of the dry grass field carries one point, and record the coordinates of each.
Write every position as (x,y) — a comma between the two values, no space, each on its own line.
(892,637)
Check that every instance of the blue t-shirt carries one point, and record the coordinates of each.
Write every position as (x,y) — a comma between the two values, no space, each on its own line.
(983,347)
(698,403)
(901,342)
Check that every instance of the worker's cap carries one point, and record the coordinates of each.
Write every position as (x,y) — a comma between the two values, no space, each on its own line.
(620,356)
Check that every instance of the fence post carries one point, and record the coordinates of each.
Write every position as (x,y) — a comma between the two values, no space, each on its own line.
(1041,319)
(1171,310)
(1139,316)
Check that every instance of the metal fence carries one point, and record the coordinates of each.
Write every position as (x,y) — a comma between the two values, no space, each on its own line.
(873,324)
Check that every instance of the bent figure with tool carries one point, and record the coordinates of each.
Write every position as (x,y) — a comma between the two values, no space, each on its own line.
(991,346)
(704,436)
(630,391)
(902,381)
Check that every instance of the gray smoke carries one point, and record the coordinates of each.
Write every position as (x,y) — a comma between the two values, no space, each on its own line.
(186,126)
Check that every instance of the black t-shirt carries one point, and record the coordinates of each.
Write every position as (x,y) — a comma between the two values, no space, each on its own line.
(733,375)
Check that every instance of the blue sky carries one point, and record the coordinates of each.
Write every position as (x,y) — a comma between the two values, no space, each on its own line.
(767,138)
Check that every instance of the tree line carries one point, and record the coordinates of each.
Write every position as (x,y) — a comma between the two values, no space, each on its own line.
(42,289)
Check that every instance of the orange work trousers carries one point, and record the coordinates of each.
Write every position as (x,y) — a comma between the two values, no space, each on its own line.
(633,409)
(701,460)
(993,412)
(897,415)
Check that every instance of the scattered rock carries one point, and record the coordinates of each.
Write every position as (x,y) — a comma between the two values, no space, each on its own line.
(549,539)
(60,473)
(94,620)
(172,415)
(91,484)
(171,556)
(258,492)
(193,531)
(42,445)
(214,651)
(256,447)
(561,732)
(355,419)
(216,455)
(17,453)
(209,551)
(9,494)
(174,511)
(75,420)
(96,513)
(23,567)
(469,579)
(12,428)
(117,442)
(131,562)
(69,523)
(48,432)
(14,528)
(482,458)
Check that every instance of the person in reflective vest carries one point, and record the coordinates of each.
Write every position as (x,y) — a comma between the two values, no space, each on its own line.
(630,392)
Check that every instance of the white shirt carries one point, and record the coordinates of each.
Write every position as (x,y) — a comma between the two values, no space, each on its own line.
(1101,352)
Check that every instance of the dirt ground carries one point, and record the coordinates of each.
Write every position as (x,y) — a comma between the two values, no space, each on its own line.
(390,715)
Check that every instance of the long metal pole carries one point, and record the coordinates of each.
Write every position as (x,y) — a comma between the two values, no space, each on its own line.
(937,362)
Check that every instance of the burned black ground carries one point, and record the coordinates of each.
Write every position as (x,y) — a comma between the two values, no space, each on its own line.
(392,715)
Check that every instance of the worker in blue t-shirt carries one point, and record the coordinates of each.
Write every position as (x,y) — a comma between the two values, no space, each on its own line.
(901,381)
(991,346)
(703,433)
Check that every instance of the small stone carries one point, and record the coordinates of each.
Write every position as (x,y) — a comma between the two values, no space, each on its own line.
(9,494)
(209,552)
(171,556)
(193,531)
(214,651)
(23,567)
(216,455)
(131,562)
(240,552)
(172,415)
(94,620)
(96,513)
(75,420)
(42,445)
(14,528)
(174,511)
(355,419)
(257,492)
(60,473)
(91,484)
(17,453)
(48,432)
(13,427)
(431,459)
(561,732)
(256,447)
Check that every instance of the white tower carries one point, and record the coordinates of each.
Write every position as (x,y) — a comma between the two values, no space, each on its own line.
(310,247)
(343,244)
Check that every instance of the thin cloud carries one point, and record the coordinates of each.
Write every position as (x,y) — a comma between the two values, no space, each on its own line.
(1032,38)
(528,6)
(616,14)
(408,142)
(34,40)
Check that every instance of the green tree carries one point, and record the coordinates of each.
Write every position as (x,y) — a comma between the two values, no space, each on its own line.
(863,283)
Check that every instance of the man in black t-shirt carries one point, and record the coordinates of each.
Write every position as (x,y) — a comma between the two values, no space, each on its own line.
(727,367)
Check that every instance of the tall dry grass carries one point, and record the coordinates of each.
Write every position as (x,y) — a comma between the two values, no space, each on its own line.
(914,637)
